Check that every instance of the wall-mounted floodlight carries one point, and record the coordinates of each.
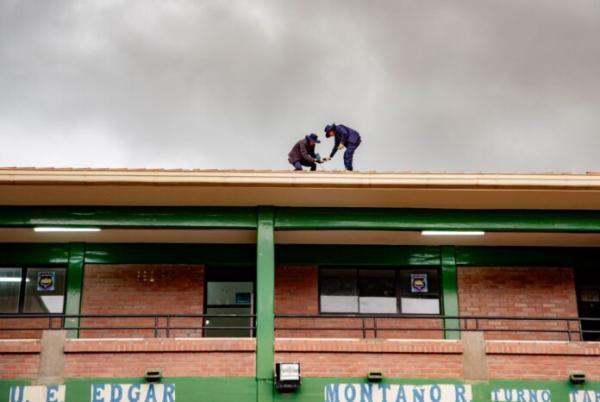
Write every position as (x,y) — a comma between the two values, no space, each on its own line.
(577,377)
(375,375)
(153,375)
(64,229)
(453,233)
(287,377)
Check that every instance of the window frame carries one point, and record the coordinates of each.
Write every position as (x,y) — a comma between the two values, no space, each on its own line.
(397,285)
(23,287)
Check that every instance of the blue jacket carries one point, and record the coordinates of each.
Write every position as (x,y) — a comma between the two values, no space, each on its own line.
(344,135)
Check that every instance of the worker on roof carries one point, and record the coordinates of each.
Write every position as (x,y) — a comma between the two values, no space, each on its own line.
(344,137)
(303,153)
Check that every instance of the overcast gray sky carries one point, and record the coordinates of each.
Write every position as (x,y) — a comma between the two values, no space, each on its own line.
(476,85)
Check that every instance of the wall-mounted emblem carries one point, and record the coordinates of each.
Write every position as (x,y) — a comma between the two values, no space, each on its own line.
(46,281)
(419,283)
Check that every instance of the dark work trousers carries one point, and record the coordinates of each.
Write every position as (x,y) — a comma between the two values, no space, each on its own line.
(349,154)
(298,165)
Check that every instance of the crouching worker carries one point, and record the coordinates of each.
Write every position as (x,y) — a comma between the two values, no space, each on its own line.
(303,153)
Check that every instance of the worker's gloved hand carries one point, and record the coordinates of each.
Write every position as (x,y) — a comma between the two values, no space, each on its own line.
(340,147)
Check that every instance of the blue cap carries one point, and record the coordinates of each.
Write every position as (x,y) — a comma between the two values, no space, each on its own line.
(329,127)
(313,137)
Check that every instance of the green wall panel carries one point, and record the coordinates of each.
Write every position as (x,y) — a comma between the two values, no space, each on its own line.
(243,389)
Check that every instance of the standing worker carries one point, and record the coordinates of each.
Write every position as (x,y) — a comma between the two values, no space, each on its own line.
(344,137)
(303,153)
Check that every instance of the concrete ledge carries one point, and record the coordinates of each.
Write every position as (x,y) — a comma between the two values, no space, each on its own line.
(542,348)
(20,346)
(368,346)
(159,345)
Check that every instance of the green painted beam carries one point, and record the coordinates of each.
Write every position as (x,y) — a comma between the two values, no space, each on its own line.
(436,219)
(148,253)
(357,255)
(23,254)
(526,256)
(450,292)
(74,287)
(265,305)
(288,218)
(130,217)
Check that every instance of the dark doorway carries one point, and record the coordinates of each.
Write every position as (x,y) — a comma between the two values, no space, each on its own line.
(587,280)
(229,291)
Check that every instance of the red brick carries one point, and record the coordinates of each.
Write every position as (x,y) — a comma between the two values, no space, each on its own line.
(518,292)
(142,289)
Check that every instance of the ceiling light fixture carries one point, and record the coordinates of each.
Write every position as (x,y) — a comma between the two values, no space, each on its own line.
(453,233)
(64,229)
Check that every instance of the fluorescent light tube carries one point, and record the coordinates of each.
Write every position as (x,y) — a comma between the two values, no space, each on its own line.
(65,229)
(8,279)
(452,233)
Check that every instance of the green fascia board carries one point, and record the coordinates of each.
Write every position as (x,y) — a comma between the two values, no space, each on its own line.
(357,255)
(288,218)
(130,217)
(436,219)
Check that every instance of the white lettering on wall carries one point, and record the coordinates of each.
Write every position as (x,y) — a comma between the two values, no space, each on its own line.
(398,393)
(133,393)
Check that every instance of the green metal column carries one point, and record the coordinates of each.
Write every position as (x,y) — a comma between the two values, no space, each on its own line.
(74,286)
(450,291)
(265,304)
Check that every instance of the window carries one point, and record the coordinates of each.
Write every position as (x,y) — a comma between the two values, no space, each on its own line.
(10,289)
(379,290)
(229,291)
(32,290)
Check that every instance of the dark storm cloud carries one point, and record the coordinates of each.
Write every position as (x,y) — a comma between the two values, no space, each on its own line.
(432,85)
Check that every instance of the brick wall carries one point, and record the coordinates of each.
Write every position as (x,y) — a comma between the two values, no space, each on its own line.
(427,359)
(518,292)
(142,289)
(297,292)
(19,359)
(348,358)
(175,358)
(542,360)
(30,324)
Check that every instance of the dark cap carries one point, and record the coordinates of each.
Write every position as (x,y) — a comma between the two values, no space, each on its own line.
(313,137)
(329,127)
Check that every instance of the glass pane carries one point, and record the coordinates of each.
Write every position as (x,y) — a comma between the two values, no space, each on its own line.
(45,290)
(338,290)
(10,288)
(229,293)
(411,305)
(219,326)
(377,291)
